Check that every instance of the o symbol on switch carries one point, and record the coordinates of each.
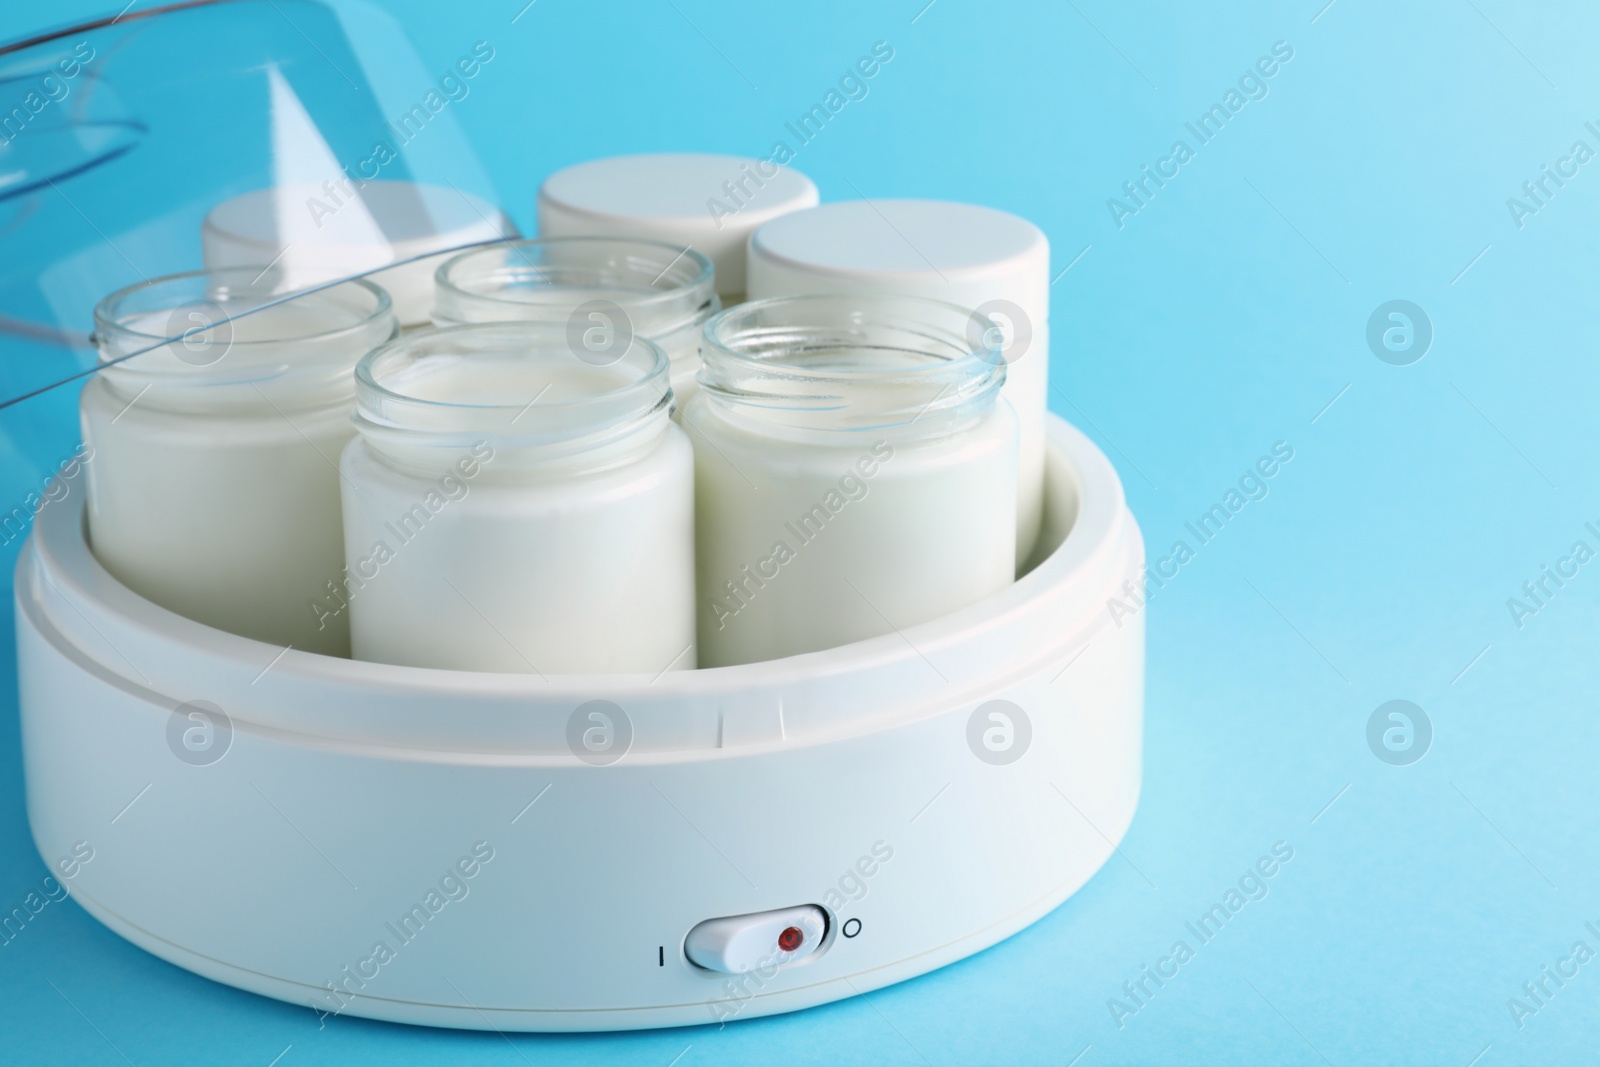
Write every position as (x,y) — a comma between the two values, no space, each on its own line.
(851,927)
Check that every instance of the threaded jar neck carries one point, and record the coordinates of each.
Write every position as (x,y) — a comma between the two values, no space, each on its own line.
(661,289)
(849,362)
(515,385)
(218,337)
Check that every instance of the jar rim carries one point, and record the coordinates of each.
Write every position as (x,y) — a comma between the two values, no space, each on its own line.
(107,325)
(383,407)
(696,291)
(750,358)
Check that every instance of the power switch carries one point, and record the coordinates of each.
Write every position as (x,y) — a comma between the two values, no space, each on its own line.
(735,944)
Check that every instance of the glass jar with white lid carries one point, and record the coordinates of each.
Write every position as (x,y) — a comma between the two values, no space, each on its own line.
(968,254)
(511,507)
(602,291)
(214,486)
(855,471)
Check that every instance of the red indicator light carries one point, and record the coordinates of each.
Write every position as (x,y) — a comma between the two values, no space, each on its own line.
(791,939)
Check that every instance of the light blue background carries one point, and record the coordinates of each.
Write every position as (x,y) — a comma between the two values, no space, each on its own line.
(1224,317)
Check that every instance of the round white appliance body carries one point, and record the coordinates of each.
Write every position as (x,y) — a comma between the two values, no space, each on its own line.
(425,846)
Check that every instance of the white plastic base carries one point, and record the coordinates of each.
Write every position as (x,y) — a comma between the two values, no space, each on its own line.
(850,779)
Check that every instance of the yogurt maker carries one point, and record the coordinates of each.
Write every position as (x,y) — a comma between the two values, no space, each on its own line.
(486,850)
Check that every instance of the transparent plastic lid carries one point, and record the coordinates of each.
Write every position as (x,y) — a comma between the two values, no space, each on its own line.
(301,138)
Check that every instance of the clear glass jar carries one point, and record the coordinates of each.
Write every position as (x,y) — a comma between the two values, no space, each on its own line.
(214,486)
(510,507)
(855,471)
(602,291)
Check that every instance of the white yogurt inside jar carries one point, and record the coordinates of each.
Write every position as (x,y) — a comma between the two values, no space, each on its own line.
(214,485)
(602,291)
(512,505)
(855,471)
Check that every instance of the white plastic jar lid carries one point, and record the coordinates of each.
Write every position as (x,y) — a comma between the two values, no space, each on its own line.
(962,253)
(711,203)
(312,236)
(386,222)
